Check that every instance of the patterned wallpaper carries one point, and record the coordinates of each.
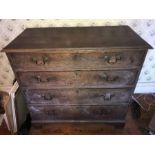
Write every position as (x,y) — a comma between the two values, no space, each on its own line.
(9,29)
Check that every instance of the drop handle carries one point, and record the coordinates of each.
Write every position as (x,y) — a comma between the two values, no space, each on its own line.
(112,59)
(43,79)
(40,61)
(104,77)
(50,112)
(47,97)
(77,57)
(107,77)
(107,96)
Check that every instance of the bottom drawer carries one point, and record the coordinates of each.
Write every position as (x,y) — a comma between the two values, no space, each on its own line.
(78,113)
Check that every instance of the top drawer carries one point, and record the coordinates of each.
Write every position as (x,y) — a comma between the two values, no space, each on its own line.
(76,61)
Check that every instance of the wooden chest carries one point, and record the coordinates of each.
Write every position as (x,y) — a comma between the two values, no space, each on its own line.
(77,74)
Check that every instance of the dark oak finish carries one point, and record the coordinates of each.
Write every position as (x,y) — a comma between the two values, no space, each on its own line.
(77,61)
(78,96)
(78,74)
(76,113)
(100,79)
(78,37)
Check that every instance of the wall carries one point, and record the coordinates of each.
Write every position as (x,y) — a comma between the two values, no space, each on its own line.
(9,29)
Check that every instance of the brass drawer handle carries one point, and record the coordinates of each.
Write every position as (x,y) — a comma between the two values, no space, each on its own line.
(112,59)
(77,57)
(107,78)
(107,96)
(47,97)
(40,61)
(40,79)
(50,112)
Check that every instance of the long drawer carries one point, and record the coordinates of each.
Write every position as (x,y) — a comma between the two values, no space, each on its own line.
(77,61)
(77,96)
(70,113)
(104,79)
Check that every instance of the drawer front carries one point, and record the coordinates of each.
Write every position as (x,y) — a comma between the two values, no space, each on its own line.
(77,96)
(76,61)
(47,79)
(105,79)
(77,113)
(99,79)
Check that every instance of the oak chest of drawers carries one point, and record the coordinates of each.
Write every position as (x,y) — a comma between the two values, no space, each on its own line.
(77,74)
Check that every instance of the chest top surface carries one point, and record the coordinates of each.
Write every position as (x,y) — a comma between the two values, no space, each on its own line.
(77,37)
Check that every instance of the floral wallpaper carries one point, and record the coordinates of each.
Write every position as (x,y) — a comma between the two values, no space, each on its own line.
(11,28)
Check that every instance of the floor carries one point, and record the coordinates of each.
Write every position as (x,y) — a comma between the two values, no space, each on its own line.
(137,122)
(3,129)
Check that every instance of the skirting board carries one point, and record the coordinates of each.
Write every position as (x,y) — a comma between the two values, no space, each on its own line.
(145,88)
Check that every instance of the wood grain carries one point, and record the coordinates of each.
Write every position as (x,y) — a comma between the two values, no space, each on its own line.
(78,74)
(78,79)
(78,113)
(77,61)
(77,96)
(78,37)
